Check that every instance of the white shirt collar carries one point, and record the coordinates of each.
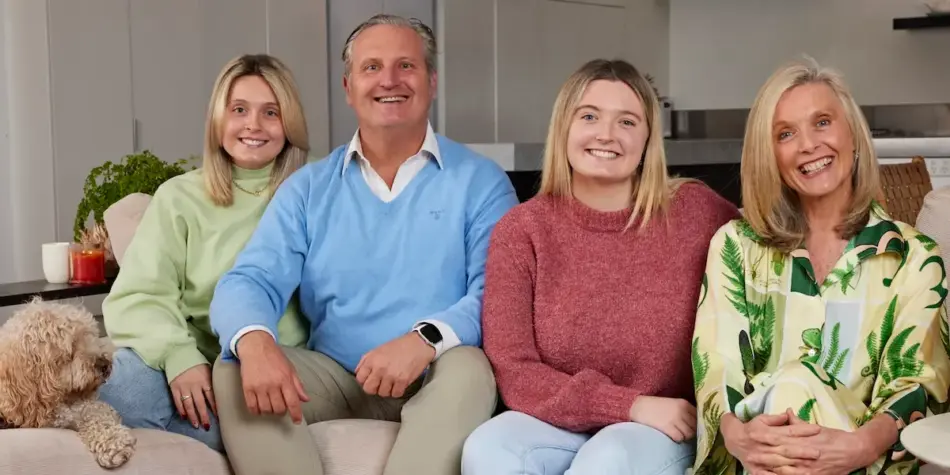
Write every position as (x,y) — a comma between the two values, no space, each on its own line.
(430,147)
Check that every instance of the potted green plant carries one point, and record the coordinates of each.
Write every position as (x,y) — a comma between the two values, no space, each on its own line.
(110,182)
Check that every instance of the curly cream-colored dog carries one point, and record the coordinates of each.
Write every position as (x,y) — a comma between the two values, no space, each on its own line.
(52,363)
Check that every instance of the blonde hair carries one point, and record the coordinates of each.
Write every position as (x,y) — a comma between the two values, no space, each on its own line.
(770,206)
(216,164)
(652,188)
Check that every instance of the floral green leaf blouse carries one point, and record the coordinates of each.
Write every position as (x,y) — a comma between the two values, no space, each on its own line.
(871,339)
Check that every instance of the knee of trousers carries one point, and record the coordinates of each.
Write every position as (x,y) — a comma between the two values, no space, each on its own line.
(464,373)
(616,446)
(791,382)
(226,380)
(498,435)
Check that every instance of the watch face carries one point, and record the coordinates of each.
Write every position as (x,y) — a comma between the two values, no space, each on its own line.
(431,333)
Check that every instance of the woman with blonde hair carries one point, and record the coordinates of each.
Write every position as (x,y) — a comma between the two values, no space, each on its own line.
(820,331)
(190,234)
(590,294)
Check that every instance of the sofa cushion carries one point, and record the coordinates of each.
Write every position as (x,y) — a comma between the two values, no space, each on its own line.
(347,447)
(58,451)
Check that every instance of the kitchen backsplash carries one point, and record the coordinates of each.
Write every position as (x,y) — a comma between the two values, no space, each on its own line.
(918,120)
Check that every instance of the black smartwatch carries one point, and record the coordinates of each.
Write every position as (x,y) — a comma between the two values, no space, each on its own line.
(430,333)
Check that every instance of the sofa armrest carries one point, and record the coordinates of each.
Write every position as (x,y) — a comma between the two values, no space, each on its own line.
(934,221)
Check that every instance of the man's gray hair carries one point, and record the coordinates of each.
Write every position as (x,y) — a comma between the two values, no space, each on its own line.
(424,32)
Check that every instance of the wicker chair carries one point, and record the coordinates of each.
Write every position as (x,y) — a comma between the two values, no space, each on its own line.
(903,187)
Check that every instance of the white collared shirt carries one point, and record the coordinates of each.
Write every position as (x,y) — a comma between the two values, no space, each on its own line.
(404,175)
(407,171)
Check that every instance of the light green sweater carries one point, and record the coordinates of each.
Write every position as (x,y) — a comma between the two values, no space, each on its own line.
(159,303)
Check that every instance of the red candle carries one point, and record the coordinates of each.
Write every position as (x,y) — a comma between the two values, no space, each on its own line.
(88,266)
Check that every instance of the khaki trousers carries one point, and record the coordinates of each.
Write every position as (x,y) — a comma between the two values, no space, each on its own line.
(457,395)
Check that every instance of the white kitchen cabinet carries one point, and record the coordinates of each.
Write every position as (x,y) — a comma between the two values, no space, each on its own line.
(90,95)
(134,75)
(180,46)
(178,50)
(86,81)
(169,90)
(298,36)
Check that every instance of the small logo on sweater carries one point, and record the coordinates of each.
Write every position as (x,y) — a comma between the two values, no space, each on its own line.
(436,213)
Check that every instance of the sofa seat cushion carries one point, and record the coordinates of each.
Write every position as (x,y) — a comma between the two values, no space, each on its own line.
(347,447)
(59,451)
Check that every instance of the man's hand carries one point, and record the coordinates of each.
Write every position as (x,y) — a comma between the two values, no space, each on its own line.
(767,442)
(270,383)
(389,369)
(674,417)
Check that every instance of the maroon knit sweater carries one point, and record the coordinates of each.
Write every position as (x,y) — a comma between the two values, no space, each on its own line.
(580,318)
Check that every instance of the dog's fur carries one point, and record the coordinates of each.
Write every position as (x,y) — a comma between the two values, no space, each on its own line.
(52,363)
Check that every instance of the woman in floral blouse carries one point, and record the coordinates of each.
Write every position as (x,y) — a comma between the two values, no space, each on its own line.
(820,331)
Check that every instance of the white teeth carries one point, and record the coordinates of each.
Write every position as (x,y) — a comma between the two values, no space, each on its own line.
(815,166)
(253,143)
(392,99)
(602,153)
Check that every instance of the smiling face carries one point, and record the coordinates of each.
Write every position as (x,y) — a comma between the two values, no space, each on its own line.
(814,145)
(388,83)
(252,133)
(608,133)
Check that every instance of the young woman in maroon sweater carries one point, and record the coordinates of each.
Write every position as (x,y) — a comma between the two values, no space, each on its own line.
(590,295)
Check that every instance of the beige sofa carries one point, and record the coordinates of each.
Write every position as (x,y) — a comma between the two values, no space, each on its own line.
(347,447)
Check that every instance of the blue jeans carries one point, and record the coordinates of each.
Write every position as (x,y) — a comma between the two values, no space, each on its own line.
(143,399)
(515,443)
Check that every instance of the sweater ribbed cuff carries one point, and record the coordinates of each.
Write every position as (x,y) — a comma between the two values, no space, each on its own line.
(181,359)
(616,401)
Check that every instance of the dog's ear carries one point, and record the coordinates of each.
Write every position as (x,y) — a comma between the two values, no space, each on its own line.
(30,391)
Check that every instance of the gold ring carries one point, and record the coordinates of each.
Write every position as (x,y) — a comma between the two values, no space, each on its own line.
(185,397)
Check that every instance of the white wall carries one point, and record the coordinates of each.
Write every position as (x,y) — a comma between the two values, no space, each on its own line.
(6,238)
(31,206)
(722,51)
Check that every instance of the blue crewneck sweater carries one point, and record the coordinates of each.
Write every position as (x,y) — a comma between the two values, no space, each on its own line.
(367,270)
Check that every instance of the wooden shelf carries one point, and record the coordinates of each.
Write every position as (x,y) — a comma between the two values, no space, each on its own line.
(18,293)
(922,22)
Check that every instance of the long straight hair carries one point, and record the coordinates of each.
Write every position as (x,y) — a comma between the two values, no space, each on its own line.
(770,206)
(216,162)
(652,187)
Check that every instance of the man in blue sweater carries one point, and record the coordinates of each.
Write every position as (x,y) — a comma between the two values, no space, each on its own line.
(385,241)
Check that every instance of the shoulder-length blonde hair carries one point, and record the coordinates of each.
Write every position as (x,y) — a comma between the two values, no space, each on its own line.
(216,163)
(652,188)
(770,206)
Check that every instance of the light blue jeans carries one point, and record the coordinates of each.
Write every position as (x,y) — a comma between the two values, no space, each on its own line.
(515,443)
(143,399)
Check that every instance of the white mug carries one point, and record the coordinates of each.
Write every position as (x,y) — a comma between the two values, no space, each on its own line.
(56,262)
